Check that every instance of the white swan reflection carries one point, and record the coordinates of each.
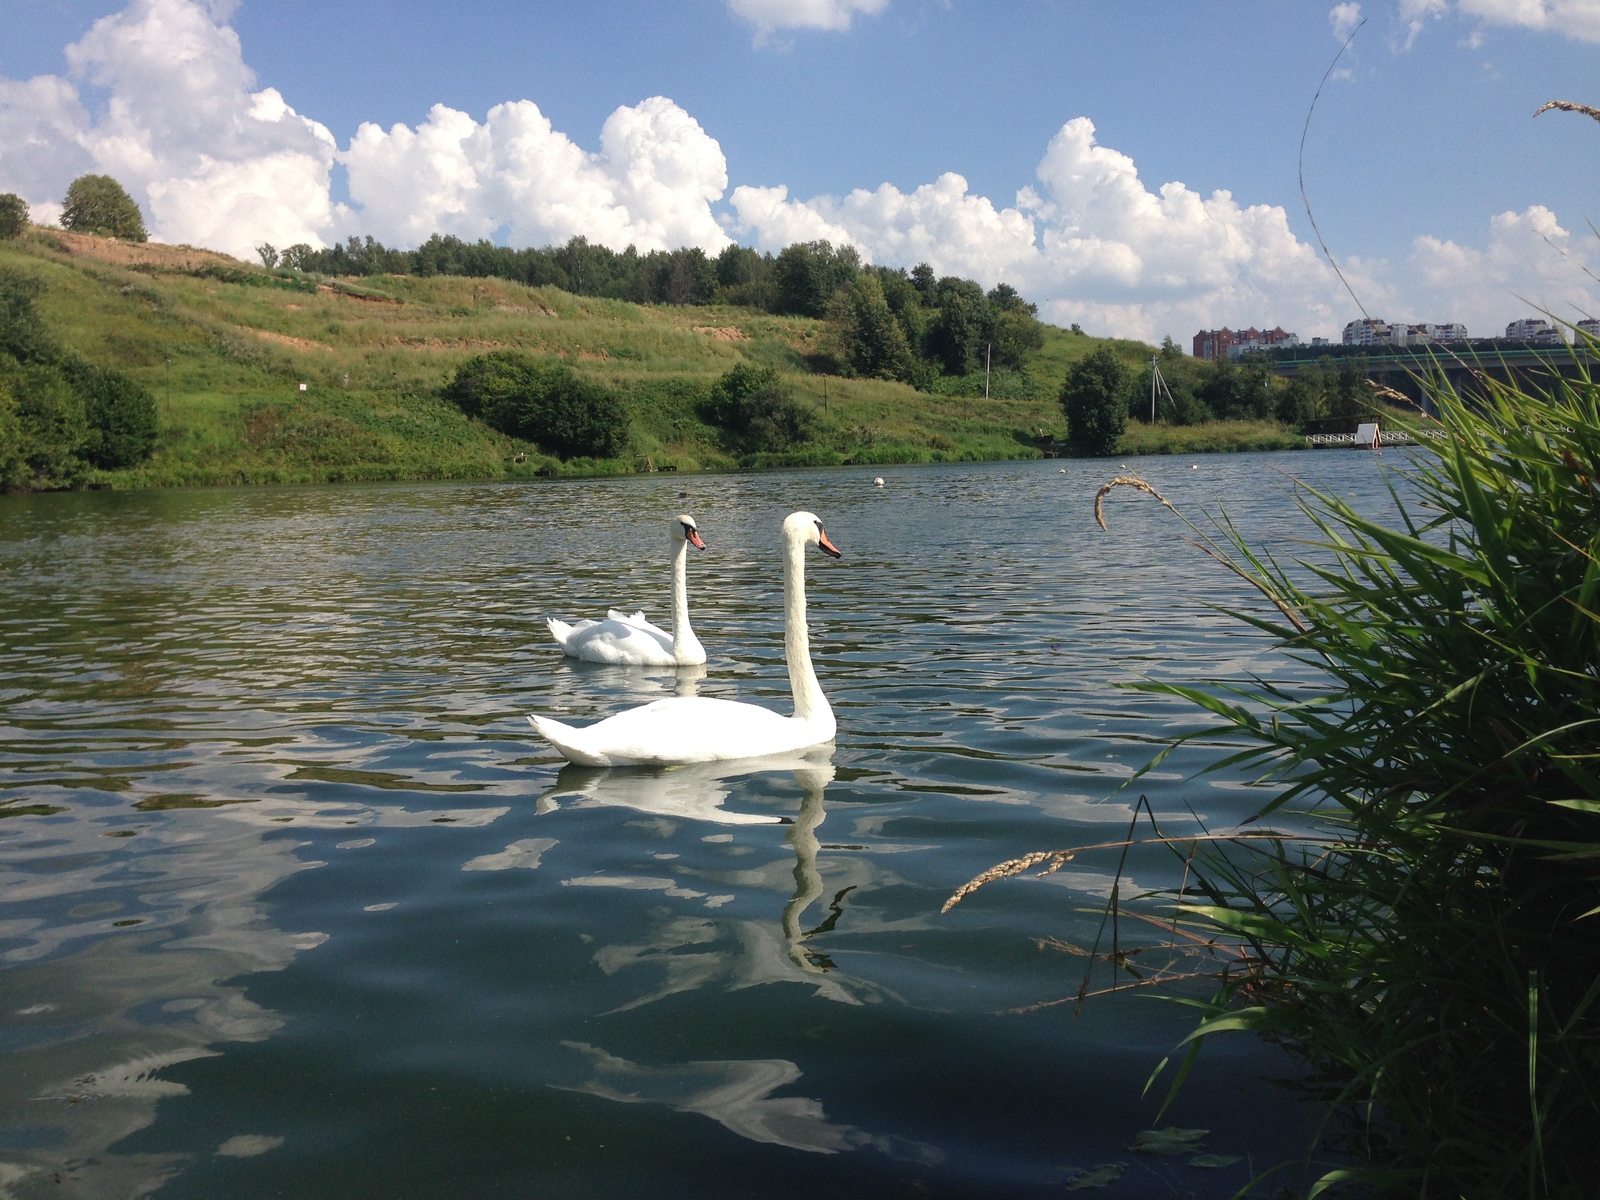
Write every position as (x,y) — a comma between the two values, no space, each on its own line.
(693,791)
(739,952)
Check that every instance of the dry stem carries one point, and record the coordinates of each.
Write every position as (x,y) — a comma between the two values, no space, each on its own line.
(1570,106)
(1132,481)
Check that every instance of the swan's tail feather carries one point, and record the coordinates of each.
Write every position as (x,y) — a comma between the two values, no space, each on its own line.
(566,739)
(559,630)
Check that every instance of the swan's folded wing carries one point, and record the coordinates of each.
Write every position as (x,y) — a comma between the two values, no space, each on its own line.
(622,644)
(634,618)
(564,631)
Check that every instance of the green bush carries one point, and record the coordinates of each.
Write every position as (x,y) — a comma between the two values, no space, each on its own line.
(120,415)
(98,204)
(23,334)
(60,414)
(45,428)
(757,412)
(542,402)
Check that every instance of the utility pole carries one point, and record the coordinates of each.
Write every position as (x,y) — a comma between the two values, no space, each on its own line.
(988,349)
(1158,385)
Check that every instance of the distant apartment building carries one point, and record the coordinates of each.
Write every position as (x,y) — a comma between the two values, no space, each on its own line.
(1366,332)
(1370,331)
(1231,343)
(1536,331)
(1426,333)
(1590,327)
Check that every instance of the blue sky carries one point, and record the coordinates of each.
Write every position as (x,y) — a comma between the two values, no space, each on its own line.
(1428,175)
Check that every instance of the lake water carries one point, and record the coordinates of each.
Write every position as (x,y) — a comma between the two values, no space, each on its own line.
(295,904)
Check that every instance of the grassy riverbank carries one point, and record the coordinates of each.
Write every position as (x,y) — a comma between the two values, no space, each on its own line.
(278,377)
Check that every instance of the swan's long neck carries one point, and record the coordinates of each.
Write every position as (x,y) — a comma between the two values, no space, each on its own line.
(809,702)
(683,638)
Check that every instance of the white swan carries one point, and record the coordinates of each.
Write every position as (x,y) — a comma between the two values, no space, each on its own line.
(686,729)
(630,640)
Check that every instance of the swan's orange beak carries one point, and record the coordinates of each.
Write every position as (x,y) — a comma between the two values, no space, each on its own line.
(826,546)
(693,536)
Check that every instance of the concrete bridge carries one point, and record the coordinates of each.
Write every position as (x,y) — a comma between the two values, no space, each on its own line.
(1463,365)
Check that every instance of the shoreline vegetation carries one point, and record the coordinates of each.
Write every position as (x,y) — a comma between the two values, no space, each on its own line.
(1411,913)
(258,375)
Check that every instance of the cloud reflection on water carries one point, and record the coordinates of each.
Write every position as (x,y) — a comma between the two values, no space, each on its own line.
(737,1094)
(95,1013)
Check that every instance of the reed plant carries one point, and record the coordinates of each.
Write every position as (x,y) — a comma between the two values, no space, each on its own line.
(1416,912)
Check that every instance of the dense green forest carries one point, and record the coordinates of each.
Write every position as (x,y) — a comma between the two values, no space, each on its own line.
(890,323)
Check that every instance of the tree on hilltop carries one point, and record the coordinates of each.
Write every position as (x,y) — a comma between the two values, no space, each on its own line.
(873,342)
(98,204)
(1095,399)
(13,215)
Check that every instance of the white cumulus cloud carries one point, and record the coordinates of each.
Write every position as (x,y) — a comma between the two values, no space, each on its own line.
(1093,244)
(1529,262)
(1344,18)
(213,162)
(208,159)
(1576,19)
(768,16)
(652,183)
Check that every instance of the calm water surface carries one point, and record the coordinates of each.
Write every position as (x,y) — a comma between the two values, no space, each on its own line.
(294,904)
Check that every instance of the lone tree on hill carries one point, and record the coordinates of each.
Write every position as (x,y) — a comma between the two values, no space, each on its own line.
(97,204)
(1095,399)
(13,215)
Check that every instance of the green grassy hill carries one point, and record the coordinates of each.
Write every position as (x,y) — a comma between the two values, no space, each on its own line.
(226,347)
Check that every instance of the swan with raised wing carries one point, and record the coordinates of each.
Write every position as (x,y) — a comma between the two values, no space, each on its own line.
(628,639)
(685,729)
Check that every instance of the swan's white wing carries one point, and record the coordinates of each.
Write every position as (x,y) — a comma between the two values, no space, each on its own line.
(563,631)
(683,729)
(638,621)
(618,642)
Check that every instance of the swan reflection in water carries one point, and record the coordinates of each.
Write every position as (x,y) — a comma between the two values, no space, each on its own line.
(736,1093)
(698,792)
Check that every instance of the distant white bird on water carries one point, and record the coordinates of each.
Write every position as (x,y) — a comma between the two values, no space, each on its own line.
(877,481)
(688,729)
(630,640)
